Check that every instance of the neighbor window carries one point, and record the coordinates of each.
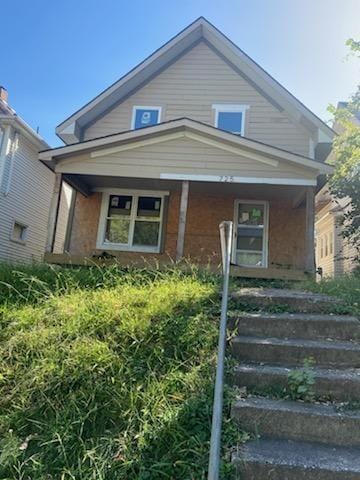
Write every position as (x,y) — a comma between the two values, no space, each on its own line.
(145,117)
(19,232)
(131,222)
(230,118)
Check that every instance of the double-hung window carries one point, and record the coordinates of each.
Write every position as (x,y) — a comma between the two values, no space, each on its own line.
(145,117)
(131,221)
(230,118)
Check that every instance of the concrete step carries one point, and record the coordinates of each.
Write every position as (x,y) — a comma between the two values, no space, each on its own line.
(297,325)
(288,460)
(291,300)
(294,351)
(341,385)
(298,421)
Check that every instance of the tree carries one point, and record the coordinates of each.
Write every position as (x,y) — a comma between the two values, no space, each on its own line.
(345,182)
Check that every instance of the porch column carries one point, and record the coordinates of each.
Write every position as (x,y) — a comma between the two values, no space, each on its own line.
(310,230)
(182,219)
(53,214)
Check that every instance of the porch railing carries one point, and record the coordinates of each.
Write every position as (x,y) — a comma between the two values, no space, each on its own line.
(226,235)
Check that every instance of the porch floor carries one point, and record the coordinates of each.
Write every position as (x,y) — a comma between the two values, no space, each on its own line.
(236,271)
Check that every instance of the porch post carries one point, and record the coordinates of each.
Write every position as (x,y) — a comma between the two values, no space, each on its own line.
(53,214)
(182,219)
(310,230)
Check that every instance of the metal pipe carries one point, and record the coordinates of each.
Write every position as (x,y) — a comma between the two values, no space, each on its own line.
(226,232)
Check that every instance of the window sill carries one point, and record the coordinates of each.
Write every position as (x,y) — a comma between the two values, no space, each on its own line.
(19,242)
(121,248)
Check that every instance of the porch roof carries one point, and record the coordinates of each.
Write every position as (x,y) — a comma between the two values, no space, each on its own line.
(191,129)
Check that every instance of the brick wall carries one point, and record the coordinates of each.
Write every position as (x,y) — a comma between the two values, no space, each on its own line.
(205,212)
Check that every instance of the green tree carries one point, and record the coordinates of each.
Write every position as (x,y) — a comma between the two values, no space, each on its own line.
(345,182)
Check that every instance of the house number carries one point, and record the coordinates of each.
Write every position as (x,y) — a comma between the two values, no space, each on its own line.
(226,178)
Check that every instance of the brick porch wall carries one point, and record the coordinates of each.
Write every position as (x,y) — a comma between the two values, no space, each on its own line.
(205,212)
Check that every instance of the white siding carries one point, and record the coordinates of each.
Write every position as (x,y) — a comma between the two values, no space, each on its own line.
(190,86)
(27,202)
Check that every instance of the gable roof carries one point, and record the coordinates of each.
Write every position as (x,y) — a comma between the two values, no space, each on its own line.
(189,128)
(200,29)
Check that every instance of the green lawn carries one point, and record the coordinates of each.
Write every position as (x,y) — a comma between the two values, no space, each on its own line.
(107,374)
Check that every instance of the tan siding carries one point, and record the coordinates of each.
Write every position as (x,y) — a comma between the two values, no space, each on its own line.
(182,155)
(190,86)
(341,260)
(325,230)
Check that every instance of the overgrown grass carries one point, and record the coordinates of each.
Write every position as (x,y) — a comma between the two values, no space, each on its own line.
(346,288)
(107,374)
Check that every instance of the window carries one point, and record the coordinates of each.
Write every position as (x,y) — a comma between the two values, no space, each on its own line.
(326,246)
(19,232)
(331,247)
(131,221)
(145,117)
(251,234)
(230,118)
(321,247)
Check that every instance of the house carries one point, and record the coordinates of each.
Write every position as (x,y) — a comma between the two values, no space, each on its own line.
(334,254)
(195,134)
(26,188)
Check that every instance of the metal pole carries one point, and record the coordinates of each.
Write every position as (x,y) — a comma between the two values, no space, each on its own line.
(226,230)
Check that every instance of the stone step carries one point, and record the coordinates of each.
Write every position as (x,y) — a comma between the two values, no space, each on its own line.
(297,421)
(290,300)
(289,460)
(294,351)
(341,385)
(297,325)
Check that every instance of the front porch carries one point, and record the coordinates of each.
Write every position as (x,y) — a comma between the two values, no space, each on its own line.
(188,228)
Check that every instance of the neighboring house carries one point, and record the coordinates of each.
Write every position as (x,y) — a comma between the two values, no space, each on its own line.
(26,187)
(195,134)
(334,254)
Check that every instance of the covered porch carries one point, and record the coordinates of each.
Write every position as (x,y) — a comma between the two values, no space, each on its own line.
(273,225)
(159,194)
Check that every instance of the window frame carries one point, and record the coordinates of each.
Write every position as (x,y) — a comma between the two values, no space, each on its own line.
(21,241)
(226,108)
(264,228)
(142,107)
(135,194)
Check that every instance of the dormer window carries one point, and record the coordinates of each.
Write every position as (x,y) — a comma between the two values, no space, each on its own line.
(230,118)
(145,117)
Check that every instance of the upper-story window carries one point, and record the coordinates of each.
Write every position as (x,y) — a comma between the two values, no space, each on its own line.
(230,118)
(145,117)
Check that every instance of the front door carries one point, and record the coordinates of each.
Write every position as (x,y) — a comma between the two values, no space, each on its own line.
(251,233)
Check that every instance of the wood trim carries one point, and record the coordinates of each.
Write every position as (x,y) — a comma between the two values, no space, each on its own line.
(310,231)
(53,212)
(182,219)
(70,222)
(234,179)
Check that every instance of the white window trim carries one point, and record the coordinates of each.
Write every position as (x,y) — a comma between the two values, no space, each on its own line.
(23,225)
(231,108)
(146,107)
(106,192)
(265,250)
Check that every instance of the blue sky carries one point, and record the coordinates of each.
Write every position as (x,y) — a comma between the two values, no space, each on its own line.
(57,55)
